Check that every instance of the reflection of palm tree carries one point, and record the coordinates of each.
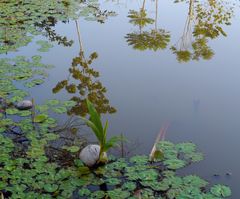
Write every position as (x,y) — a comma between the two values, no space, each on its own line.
(139,18)
(186,39)
(83,80)
(181,49)
(155,39)
(208,19)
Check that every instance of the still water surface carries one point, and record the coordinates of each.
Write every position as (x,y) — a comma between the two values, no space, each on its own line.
(149,86)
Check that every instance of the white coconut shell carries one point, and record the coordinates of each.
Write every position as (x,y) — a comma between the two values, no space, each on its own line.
(24,105)
(90,154)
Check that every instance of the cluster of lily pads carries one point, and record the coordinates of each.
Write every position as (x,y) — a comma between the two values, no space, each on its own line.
(31,175)
(29,72)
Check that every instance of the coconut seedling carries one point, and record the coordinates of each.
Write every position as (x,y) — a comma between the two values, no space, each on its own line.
(100,131)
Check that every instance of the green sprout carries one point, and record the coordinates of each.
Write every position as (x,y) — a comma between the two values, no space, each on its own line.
(100,131)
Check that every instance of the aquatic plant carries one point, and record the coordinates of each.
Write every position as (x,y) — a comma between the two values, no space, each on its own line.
(100,130)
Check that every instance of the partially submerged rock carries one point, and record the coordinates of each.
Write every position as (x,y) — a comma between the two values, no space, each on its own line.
(24,105)
(90,154)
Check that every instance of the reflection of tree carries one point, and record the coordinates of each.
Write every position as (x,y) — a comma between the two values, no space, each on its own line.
(139,18)
(155,39)
(83,80)
(20,21)
(206,20)
(46,28)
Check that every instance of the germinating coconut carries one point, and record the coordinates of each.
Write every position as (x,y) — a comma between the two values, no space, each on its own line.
(90,154)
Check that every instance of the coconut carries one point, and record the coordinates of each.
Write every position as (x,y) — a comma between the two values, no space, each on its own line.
(24,105)
(90,154)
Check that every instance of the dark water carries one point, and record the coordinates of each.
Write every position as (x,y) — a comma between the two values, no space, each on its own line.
(199,98)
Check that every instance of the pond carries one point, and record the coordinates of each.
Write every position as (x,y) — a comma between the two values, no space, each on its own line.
(147,66)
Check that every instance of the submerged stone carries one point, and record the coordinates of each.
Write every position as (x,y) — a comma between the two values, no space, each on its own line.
(24,105)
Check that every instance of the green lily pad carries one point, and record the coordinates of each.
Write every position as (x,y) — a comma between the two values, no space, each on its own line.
(59,110)
(221,191)
(50,187)
(53,102)
(72,149)
(69,103)
(174,164)
(84,192)
(40,118)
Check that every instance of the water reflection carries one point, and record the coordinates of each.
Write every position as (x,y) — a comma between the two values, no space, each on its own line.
(205,21)
(83,81)
(153,39)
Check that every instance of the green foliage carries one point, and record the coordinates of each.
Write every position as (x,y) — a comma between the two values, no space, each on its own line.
(221,191)
(100,131)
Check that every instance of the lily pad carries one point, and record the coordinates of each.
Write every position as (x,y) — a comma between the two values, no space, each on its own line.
(221,191)
(40,118)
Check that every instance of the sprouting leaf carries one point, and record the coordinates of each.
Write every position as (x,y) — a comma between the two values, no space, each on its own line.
(94,116)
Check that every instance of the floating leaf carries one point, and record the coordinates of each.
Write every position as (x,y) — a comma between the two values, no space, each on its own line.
(174,164)
(72,149)
(53,102)
(84,192)
(59,110)
(50,187)
(221,191)
(69,103)
(40,118)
